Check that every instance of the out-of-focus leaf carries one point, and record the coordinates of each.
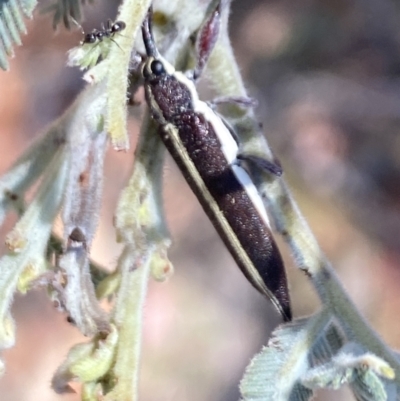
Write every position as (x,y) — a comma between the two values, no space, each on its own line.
(67,11)
(312,354)
(12,13)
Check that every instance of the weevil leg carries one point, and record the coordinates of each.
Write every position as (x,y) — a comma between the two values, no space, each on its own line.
(244,159)
(243,101)
(206,39)
(273,167)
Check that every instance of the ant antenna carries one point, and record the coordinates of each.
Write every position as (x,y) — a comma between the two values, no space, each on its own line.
(77,24)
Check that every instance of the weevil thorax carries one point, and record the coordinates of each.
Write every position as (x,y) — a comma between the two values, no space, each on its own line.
(169,92)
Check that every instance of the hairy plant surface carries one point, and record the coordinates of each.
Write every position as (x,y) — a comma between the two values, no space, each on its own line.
(65,166)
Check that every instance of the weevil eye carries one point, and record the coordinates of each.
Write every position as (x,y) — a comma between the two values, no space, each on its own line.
(157,67)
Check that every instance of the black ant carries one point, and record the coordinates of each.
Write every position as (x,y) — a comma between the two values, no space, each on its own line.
(108,31)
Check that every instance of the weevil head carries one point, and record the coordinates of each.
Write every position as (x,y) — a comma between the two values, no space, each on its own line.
(168,92)
(154,66)
(154,69)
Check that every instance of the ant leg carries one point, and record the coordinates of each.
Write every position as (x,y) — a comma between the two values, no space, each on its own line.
(112,40)
(78,25)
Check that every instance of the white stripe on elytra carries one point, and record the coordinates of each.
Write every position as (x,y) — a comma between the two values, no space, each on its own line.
(230,150)
(229,146)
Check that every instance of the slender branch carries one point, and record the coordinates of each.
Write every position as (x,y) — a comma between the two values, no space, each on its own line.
(225,77)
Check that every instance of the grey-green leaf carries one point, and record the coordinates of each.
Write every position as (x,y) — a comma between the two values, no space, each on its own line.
(273,374)
(12,14)
(277,373)
(67,11)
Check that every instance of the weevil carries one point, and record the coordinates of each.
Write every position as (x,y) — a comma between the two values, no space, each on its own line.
(207,153)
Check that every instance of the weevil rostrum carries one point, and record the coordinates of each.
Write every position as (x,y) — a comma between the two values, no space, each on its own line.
(207,153)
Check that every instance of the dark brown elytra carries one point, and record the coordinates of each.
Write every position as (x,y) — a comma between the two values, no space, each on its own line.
(203,146)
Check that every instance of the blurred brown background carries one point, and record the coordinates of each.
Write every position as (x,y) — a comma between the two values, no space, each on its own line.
(326,74)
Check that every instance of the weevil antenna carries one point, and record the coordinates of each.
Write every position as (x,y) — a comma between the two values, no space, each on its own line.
(147,33)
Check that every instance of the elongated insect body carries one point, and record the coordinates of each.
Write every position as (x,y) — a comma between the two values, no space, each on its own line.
(107,31)
(207,154)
